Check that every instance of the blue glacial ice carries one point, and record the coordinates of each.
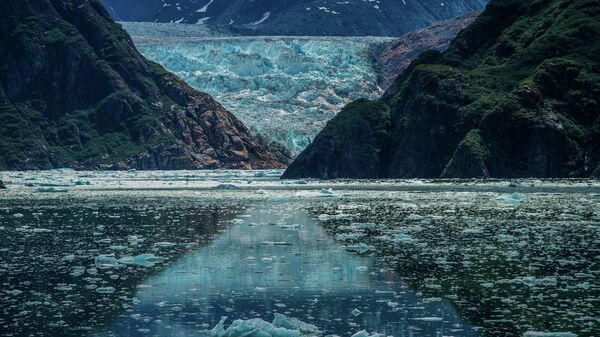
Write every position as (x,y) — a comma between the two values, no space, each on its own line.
(281,326)
(284,87)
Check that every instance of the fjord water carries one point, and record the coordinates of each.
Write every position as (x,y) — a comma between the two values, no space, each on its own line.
(170,253)
(284,87)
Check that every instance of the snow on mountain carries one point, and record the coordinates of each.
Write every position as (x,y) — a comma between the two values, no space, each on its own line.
(297,17)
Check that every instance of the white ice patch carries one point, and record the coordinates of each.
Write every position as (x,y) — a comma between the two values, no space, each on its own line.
(265,16)
(281,326)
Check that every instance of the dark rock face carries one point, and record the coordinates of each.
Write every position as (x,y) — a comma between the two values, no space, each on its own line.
(398,55)
(297,17)
(75,92)
(2,186)
(333,155)
(515,95)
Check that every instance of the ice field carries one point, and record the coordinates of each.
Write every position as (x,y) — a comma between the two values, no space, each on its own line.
(171,253)
(284,87)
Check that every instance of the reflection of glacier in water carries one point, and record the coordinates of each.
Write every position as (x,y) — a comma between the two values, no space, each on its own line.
(286,88)
(277,260)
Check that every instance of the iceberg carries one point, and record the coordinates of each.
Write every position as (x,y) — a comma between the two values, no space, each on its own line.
(282,326)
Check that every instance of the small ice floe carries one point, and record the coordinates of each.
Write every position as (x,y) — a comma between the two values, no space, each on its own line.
(364,333)
(165,244)
(282,326)
(514,198)
(142,260)
(294,182)
(80,182)
(400,238)
(134,240)
(105,290)
(275,243)
(106,261)
(227,187)
(327,192)
(51,189)
(428,319)
(361,248)
(356,312)
(14,292)
(548,334)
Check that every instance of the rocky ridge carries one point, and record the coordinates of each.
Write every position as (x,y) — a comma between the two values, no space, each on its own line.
(515,95)
(75,92)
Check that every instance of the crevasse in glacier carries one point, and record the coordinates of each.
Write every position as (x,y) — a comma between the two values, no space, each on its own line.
(284,87)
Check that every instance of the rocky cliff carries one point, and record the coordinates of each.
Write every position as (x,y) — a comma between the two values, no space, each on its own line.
(75,92)
(398,55)
(297,17)
(515,95)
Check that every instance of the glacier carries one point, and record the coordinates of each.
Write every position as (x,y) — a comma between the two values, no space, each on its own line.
(286,88)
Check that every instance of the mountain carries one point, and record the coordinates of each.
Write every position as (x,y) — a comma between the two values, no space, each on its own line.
(517,94)
(397,55)
(297,17)
(75,92)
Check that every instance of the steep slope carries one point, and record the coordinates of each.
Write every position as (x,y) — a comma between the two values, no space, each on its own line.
(75,92)
(297,17)
(515,95)
(397,56)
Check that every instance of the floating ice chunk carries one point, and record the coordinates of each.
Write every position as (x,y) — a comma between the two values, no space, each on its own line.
(165,244)
(227,187)
(362,248)
(80,182)
(134,239)
(531,281)
(548,334)
(15,292)
(106,261)
(275,243)
(362,225)
(294,182)
(142,260)
(63,170)
(356,312)
(348,236)
(401,237)
(328,192)
(362,333)
(42,230)
(515,197)
(429,319)
(51,189)
(281,326)
(105,290)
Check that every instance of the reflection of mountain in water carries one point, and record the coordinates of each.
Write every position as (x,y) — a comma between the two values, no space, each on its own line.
(269,264)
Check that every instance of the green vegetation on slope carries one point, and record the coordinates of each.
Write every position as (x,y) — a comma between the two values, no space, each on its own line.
(74,91)
(516,94)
